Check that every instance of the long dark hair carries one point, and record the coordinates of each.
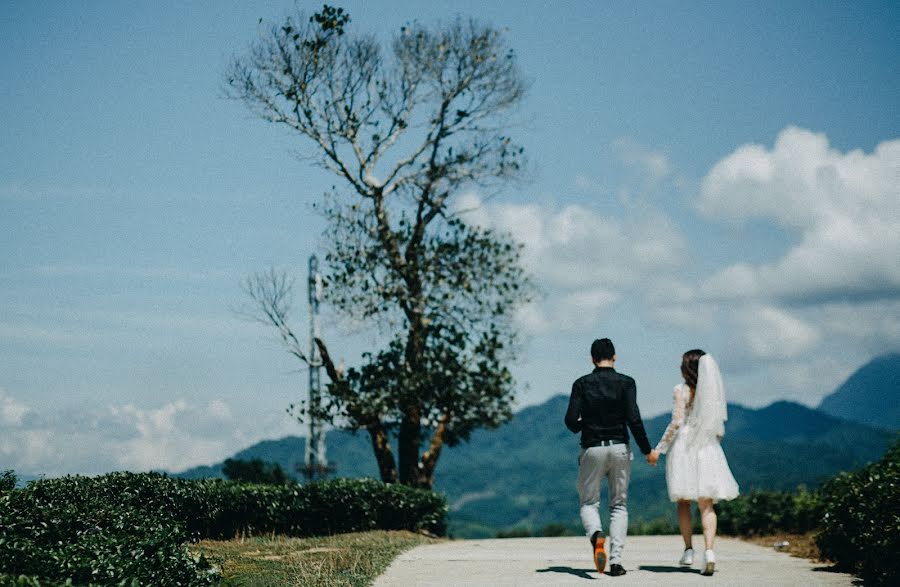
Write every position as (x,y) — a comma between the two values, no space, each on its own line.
(690,364)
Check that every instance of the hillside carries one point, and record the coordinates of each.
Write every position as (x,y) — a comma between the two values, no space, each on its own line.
(523,473)
(869,396)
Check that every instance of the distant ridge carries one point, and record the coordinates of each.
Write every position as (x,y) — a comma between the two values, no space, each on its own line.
(870,396)
(523,473)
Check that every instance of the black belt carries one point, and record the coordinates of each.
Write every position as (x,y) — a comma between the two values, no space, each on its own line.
(608,442)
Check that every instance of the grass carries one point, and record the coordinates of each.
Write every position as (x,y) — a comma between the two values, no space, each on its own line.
(344,560)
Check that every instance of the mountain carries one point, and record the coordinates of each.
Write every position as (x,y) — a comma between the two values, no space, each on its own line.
(870,395)
(350,453)
(523,473)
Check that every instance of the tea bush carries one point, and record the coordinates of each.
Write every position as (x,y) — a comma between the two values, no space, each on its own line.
(856,517)
(126,527)
(861,520)
(768,512)
(75,528)
(8,481)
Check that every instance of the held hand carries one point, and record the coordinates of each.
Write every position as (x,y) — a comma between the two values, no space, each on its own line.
(653,457)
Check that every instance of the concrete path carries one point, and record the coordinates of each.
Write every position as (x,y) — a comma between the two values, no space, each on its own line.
(649,560)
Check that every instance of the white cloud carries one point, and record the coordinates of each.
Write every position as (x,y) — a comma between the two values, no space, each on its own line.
(653,166)
(875,324)
(844,208)
(12,413)
(174,436)
(791,327)
(837,289)
(773,333)
(565,312)
(584,261)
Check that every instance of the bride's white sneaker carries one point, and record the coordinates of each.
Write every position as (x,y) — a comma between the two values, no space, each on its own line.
(687,559)
(709,563)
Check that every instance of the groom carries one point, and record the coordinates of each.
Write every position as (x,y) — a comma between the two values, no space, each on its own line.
(601,405)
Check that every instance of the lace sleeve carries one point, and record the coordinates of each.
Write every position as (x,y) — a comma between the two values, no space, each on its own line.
(677,420)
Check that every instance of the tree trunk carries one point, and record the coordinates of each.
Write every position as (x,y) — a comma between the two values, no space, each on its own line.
(409,439)
(381,445)
(430,458)
(410,434)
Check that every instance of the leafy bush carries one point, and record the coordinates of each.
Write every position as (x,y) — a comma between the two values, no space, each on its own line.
(8,481)
(861,520)
(768,512)
(120,526)
(77,528)
(654,527)
(558,529)
(255,471)
(517,532)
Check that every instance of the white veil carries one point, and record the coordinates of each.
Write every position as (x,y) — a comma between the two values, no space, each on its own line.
(708,415)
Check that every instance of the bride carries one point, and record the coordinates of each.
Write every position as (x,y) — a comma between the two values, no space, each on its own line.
(696,469)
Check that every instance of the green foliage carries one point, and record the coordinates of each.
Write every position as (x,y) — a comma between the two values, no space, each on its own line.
(528,465)
(517,532)
(255,471)
(406,127)
(857,516)
(558,529)
(26,581)
(8,480)
(112,529)
(654,527)
(126,526)
(464,375)
(768,512)
(861,520)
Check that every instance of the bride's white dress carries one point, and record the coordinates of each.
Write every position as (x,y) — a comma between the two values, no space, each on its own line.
(695,464)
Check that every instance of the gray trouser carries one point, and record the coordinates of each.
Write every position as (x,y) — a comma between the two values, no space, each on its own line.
(614,463)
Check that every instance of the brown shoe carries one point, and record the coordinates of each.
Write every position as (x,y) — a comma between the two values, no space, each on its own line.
(599,552)
(616,570)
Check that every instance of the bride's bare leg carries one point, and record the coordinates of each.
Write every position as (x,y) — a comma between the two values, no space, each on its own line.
(685,522)
(709,520)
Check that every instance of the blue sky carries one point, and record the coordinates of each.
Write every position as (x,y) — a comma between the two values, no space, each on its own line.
(722,175)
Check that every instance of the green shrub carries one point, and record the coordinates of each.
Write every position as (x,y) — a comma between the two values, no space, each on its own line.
(558,529)
(73,529)
(24,581)
(768,512)
(121,526)
(656,526)
(255,471)
(861,520)
(8,481)
(518,532)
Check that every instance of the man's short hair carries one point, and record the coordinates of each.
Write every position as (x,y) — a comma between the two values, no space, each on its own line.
(602,349)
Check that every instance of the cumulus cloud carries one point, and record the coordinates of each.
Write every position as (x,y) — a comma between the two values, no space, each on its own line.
(836,290)
(12,413)
(583,260)
(844,209)
(773,333)
(652,166)
(875,325)
(173,436)
(822,306)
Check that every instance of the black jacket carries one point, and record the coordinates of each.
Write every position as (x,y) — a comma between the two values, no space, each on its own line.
(601,405)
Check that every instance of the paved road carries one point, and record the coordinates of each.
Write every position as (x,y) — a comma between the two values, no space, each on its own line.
(649,560)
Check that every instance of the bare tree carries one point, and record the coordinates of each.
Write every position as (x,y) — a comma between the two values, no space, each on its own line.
(405,131)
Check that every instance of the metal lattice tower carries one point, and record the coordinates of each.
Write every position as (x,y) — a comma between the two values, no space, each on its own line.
(316,464)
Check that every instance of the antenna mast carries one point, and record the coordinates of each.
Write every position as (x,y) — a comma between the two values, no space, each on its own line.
(316,465)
